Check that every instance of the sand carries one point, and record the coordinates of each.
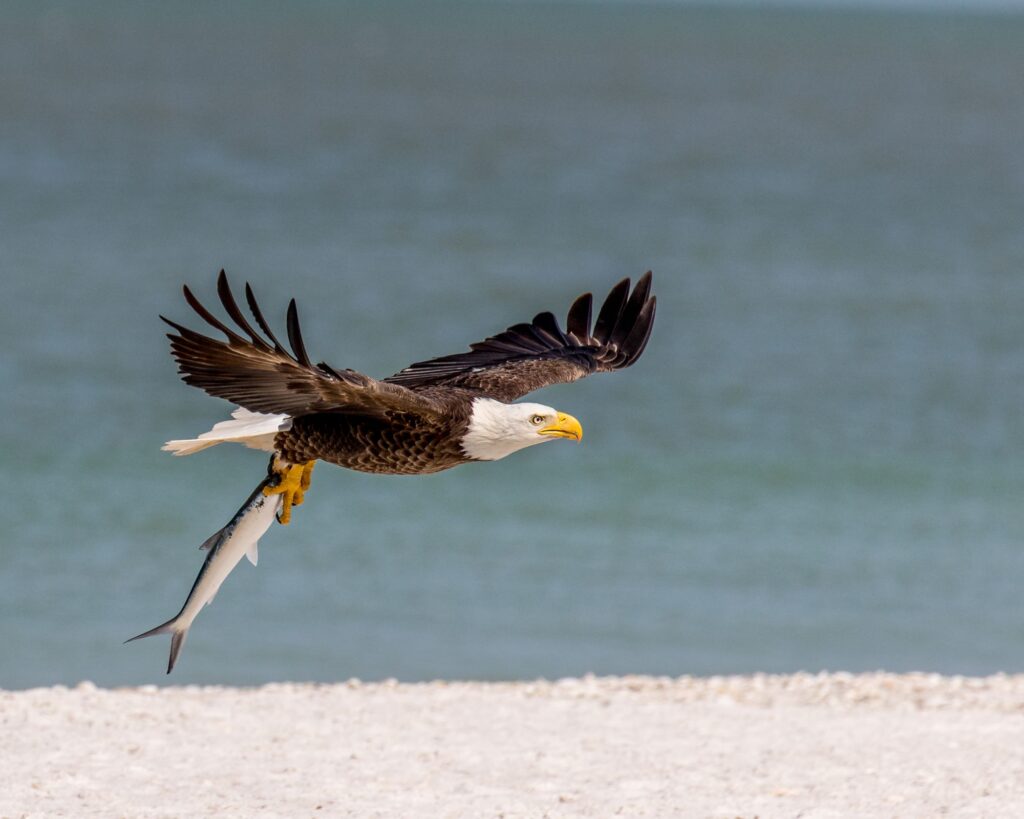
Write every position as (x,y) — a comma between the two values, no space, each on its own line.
(807,745)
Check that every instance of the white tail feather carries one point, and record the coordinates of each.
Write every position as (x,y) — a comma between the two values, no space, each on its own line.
(254,429)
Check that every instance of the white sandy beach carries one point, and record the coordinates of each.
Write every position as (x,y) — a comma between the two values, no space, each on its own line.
(809,745)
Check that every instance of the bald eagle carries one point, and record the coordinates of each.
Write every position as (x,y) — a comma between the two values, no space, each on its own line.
(431,416)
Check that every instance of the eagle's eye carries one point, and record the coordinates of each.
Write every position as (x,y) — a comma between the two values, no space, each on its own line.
(537,420)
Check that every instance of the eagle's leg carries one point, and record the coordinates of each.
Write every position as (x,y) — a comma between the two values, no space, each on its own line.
(292,481)
(307,479)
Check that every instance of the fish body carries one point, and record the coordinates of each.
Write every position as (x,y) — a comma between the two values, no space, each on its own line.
(225,549)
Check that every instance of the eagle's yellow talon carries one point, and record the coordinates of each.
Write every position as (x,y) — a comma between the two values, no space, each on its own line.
(293,481)
(285,515)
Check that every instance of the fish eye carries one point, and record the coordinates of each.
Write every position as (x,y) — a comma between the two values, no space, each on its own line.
(537,420)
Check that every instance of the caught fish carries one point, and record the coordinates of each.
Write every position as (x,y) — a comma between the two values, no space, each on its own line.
(225,549)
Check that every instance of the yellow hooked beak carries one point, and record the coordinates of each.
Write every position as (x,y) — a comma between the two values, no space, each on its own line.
(565,427)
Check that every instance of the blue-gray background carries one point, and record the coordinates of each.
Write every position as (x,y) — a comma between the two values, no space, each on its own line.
(819,462)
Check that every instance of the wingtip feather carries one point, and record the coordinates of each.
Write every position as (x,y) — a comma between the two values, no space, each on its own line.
(577,322)
(254,308)
(630,312)
(610,311)
(295,335)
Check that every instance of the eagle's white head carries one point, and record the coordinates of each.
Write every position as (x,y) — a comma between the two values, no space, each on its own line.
(497,429)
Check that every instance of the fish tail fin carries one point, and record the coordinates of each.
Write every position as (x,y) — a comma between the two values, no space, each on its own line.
(178,634)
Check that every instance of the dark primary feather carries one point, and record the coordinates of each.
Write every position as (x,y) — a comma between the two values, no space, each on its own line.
(529,356)
(578,320)
(295,335)
(265,377)
(610,311)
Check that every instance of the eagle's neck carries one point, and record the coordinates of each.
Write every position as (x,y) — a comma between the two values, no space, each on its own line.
(495,430)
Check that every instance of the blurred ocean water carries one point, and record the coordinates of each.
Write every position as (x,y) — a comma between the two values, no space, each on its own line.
(818,463)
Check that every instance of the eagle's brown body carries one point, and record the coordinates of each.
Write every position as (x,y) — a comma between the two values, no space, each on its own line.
(397,444)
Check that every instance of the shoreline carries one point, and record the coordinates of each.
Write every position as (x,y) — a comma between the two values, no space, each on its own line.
(919,690)
(829,744)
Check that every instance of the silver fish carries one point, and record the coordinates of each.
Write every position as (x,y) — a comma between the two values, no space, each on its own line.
(226,548)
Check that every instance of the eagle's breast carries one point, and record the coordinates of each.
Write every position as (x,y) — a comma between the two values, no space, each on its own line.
(397,444)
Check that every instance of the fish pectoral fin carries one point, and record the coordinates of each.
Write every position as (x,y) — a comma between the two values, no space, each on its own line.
(211,541)
(253,552)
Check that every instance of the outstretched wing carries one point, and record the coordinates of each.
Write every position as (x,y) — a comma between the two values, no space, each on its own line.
(527,357)
(263,376)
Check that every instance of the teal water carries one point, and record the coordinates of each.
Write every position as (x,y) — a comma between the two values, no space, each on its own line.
(818,463)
